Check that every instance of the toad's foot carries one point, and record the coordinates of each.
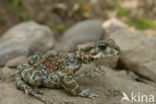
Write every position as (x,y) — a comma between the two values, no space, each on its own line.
(37,90)
(85,93)
(99,70)
(29,91)
(72,87)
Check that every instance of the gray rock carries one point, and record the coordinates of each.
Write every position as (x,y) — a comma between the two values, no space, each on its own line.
(11,49)
(7,74)
(118,82)
(135,46)
(10,95)
(88,30)
(127,40)
(25,39)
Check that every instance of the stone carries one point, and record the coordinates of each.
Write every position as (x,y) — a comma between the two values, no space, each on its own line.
(25,39)
(110,87)
(11,49)
(7,74)
(85,31)
(10,95)
(118,82)
(13,63)
(126,39)
(135,46)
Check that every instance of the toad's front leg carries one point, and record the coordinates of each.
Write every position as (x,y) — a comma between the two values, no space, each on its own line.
(72,87)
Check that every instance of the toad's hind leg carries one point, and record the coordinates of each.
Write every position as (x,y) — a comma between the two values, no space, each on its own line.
(72,87)
(21,84)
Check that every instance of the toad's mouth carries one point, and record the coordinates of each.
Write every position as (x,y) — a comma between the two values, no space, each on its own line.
(106,54)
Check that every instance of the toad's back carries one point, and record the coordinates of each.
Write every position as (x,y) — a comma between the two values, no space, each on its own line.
(61,61)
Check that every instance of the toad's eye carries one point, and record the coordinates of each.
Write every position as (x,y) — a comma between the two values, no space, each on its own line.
(102,46)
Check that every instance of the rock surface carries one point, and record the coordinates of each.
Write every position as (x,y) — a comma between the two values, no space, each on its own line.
(7,74)
(88,30)
(13,63)
(110,88)
(25,39)
(134,45)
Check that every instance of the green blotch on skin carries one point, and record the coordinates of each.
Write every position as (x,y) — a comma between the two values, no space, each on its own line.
(72,85)
(112,52)
(78,90)
(105,53)
(88,48)
(68,79)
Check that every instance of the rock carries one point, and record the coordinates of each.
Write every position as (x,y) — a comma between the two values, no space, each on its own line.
(25,39)
(10,95)
(110,88)
(117,83)
(11,49)
(135,46)
(88,30)
(7,74)
(107,26)
(127,40)
(13,63)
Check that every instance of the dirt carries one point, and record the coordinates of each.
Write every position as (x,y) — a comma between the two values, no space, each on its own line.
(8,17)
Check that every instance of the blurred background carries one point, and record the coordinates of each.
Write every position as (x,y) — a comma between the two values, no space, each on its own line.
(61,14)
